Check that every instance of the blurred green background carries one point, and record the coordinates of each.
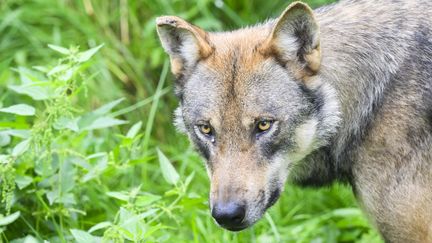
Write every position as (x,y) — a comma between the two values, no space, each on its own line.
(92,163)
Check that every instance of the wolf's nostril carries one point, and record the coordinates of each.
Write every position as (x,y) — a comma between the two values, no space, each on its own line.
(229,215)
(238,218)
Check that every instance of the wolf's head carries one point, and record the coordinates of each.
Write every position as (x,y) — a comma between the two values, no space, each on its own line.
(252,103)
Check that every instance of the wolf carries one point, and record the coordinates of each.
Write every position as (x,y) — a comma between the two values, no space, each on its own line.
(340,93)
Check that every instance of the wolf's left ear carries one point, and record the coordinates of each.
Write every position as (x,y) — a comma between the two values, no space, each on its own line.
(295,39)
(185,43)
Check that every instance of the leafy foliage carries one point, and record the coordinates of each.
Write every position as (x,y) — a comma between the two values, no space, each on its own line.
(87,149)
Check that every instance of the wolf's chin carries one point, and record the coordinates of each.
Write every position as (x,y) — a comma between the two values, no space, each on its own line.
(237,229)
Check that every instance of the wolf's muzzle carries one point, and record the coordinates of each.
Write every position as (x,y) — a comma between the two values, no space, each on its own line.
(230,215)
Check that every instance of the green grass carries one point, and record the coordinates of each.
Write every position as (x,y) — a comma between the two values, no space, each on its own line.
(80,162)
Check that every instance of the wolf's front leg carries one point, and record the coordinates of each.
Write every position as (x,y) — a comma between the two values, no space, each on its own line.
(396,193)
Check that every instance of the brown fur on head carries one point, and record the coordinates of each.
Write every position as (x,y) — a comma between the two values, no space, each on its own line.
(231,84)
(184,42)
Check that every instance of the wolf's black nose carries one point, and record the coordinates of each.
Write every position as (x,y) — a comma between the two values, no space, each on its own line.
(229,215)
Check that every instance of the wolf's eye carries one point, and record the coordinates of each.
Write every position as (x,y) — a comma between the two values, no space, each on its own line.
(264,125)
(205,129)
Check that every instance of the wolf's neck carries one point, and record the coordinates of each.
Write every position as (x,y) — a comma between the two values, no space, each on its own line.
(360,56)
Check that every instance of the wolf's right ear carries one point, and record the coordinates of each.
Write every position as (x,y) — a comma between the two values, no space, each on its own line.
(295,39)
(185,43)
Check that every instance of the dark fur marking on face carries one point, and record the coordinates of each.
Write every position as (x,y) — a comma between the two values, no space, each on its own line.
(181,79)
(179,93)
(279,61)
(315,98)
(272,145)
(261,197)
(284,144)
(201,147)
(274,196)
(231,94)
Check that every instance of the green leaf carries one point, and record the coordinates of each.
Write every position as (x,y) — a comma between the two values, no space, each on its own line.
(23,181)
(82,163)
(89,118)
(28,76)
(64,182)
(84,237)
(60,49)
(86,55)
(146,199)
(68,74)
(99,226)
(66,176)
(52,196)
(172,192)
(105,109)
(124,215)
(20,109)
(104,122)
(168,171)
(153,229)
(67,198)
(66,122)
(27,239)
(21,148)
(96,155)
(9,219)
(35,92)
(41,69)
(347,212)
(4,158)
(119,195)
(132,223)
(5,139)
(5,64)
(19,133)
(133,131)
(96,170)
(189,179)
(57,69)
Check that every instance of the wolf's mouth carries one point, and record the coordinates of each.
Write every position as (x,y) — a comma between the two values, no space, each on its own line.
(236,228)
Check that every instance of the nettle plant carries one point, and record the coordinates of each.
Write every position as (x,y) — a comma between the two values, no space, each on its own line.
(49,154)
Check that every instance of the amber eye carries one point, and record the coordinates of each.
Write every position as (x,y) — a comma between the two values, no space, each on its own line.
(264,125)
(205,129)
